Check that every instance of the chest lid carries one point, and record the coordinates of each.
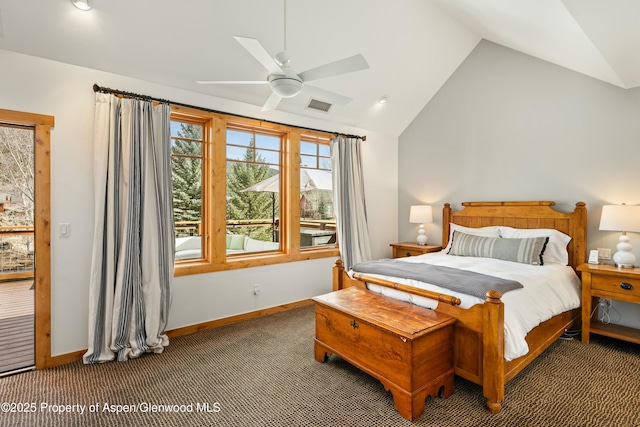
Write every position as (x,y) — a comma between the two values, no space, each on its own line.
(400,317)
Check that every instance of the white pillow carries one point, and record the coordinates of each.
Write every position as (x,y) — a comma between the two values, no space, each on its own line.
(556,251)
(492,231)
(253,245)
(187,243)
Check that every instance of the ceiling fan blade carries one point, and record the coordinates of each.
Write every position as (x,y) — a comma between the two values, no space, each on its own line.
(326,95)
(343,66)
(254,47)
(272,102)
(232,82)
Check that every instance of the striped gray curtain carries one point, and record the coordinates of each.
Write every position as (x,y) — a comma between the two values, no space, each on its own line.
(133,242)
(349,202)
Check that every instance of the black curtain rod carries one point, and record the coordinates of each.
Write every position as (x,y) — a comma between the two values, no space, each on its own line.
(102,89)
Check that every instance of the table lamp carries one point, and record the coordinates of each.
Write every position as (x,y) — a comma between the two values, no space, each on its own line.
(622,218)
(421,214)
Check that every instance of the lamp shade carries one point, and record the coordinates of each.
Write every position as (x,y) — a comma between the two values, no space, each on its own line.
(420,214)
(620,218)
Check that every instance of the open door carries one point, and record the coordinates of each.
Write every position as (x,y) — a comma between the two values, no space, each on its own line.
(25,270)
(17,248)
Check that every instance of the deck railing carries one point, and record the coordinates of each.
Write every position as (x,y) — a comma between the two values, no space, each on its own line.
(16,252)
(312,231)
(192,228)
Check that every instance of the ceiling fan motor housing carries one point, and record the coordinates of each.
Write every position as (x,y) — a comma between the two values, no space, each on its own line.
(286,86)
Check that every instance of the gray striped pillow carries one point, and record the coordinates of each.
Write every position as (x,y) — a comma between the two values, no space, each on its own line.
(526,250)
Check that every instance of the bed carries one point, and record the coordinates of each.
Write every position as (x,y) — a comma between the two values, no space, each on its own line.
(479,330)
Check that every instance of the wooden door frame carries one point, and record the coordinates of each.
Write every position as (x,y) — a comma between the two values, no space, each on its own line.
(42,226)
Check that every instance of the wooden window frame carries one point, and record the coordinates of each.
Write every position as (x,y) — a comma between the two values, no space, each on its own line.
(214,196)
(206,131)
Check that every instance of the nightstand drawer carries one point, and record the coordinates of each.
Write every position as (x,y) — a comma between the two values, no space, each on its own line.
(619,285)
(404,252)
(404,249)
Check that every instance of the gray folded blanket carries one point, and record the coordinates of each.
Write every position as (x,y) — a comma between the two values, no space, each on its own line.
(462,281)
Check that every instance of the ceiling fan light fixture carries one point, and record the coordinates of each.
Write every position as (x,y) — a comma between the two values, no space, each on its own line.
(285,86)
(82,4)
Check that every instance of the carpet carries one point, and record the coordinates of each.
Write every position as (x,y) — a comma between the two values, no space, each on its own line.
(262,373)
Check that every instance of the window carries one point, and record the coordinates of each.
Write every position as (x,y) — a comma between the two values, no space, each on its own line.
(248,193)
(253,190)
(187,150)
(317,221)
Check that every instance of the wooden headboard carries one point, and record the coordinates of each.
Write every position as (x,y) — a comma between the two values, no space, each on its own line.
(536,214)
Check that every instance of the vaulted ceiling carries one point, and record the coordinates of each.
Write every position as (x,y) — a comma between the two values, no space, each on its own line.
(411,46)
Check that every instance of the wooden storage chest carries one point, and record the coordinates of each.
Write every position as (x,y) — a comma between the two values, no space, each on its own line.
(406,347)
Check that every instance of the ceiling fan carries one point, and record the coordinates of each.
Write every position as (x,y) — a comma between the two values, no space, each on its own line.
(285,82)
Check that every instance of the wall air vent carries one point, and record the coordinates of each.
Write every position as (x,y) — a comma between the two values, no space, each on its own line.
(314,104)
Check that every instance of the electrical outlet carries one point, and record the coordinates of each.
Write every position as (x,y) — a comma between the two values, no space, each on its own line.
(256,289)
(605,303)
(604,253)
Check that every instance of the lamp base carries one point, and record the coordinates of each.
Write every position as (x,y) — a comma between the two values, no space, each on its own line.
(422,237)
(624,258)
(625,265)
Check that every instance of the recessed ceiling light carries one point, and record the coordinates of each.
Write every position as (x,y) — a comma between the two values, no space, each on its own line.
(382,100)
(82,4)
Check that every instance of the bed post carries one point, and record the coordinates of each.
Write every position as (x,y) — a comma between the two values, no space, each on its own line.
(493,351)
(579,234)
(338,270)
(446,219)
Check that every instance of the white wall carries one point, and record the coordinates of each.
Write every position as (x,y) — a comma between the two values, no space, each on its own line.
(507,126)
(41,86)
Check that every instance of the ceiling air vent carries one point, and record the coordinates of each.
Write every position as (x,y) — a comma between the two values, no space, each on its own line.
(314,104)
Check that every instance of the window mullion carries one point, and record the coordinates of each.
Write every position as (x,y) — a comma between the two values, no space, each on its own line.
(292,190)
(218,193)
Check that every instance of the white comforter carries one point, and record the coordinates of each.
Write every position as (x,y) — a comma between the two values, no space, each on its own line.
(548,290)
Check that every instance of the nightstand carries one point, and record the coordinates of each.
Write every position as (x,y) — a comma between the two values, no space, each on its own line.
(404,249)
(608,281)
